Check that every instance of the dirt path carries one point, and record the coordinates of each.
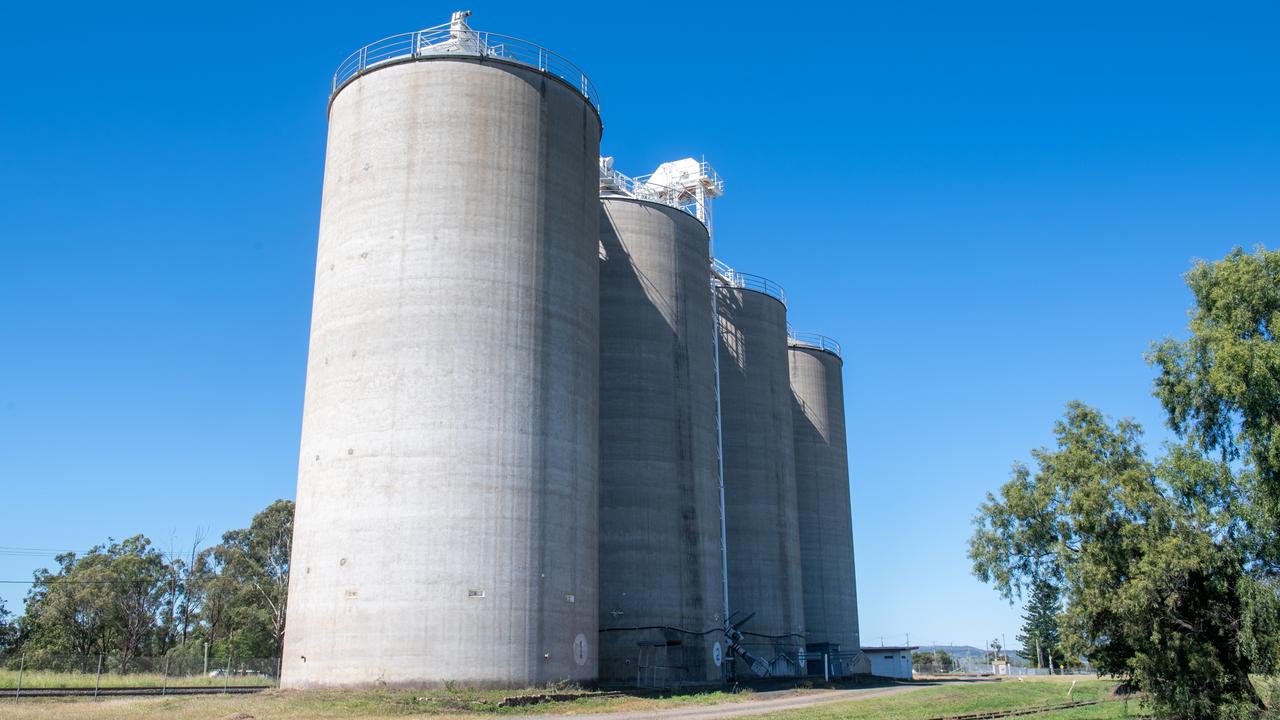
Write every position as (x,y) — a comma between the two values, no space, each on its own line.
(769,702)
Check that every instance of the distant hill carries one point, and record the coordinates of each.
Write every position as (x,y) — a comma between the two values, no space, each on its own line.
(956,651)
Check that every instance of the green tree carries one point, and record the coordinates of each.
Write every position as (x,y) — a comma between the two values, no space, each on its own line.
(139,583)
(937,661)
(67,612)
(8,629)
(243,584)
(103,602)
(1039,636)
(1221,386)
(1162,566)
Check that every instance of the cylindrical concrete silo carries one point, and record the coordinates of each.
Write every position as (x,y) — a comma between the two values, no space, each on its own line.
(759,469)
(822,491)
(447,512)
(660,569)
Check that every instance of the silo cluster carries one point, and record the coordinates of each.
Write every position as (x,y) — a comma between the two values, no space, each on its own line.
(546,436)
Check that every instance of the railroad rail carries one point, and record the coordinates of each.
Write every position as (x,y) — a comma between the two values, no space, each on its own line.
(130,691)
(1019,712)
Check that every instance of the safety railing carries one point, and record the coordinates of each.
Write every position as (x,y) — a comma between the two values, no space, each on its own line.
(446,40)
(722,274)
(613,182)
(816,341)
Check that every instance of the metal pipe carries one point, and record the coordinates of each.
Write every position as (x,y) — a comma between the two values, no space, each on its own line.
(724,535)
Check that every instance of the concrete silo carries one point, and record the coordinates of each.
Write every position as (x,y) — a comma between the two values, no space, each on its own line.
(822,491)
(446,523)
(660,555)
(759,470)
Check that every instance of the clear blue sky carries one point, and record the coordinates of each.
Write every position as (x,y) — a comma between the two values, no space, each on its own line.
(989,204)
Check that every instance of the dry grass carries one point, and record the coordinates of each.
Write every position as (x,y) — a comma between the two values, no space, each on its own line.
(925,702)
(57,679)
(350,705)
(977,697)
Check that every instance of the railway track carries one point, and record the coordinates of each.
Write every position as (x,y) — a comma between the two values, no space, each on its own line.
(131,691)
(1017,713)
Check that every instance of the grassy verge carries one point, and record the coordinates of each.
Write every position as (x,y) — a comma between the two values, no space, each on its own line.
(913,703)
(59,680)
(349,705)
(975,697)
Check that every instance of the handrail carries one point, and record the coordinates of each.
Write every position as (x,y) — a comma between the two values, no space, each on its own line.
(445,40)
(815,341)
(725,276)
(614,183)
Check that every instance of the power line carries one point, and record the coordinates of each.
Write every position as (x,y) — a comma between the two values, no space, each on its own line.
(11,551)
(52,581)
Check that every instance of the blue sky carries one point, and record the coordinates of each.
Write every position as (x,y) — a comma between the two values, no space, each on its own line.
(989,204)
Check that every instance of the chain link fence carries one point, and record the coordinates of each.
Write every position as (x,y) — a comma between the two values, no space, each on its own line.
(984,666)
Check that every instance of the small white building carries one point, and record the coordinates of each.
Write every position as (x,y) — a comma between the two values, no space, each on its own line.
(890,662)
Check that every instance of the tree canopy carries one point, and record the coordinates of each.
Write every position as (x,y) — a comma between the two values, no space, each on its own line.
(1162,574)
(128,599)
(1221,386)
(1167,567)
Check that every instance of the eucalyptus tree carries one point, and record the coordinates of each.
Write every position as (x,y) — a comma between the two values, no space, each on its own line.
(1160,564)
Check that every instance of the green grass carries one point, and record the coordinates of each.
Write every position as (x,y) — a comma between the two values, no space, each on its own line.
(974,697)
(58,679)
(917,702)
(348,705)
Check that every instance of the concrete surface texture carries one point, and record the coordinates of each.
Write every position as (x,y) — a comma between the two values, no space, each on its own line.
(659,486)
(759,471)
(447,486)
(822,494)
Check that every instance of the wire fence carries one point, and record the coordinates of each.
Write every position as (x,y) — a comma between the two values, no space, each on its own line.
(36,674)
(970,665)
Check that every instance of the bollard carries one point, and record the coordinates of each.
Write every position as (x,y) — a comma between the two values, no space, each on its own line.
(826,668)
(97,679)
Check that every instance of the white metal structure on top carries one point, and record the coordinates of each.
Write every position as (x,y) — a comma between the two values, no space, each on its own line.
(687,184)
(457,38)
